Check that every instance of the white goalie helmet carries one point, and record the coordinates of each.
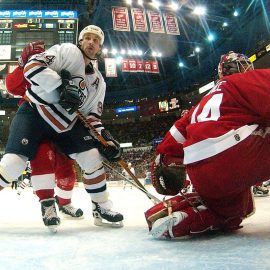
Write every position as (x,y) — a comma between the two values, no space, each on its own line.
(232,62)
(93,29)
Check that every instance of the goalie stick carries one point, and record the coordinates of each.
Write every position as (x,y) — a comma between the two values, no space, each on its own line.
(149,195)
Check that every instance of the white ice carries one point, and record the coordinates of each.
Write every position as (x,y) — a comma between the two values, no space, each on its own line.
(25,243)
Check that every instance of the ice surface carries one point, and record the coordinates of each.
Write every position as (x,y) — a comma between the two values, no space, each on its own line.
(26,244)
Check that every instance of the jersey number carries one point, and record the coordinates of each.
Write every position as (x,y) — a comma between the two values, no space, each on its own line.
(210,111)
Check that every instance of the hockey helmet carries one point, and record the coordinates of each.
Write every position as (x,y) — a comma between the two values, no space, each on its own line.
(232,62)
(93,29)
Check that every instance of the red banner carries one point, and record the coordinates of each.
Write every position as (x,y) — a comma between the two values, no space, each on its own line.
(171,24)
(147,66)
(140,66)
(125,66)
(139,20)
(132,65)
(154,67)
(156,22)
(120,19)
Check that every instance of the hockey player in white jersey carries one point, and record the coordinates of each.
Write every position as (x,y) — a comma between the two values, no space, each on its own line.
(51,113)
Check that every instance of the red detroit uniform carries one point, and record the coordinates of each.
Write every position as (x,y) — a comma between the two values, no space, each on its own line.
(225,142)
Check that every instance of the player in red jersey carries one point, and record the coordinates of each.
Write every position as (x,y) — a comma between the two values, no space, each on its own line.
(49,165)
(225,144)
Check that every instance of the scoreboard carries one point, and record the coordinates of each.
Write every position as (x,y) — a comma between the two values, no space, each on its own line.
(19,27)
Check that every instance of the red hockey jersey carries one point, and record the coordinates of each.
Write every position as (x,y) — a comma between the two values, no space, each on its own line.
(227,115)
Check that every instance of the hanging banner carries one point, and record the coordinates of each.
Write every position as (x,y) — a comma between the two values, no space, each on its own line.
(120,19)
(171,24)
(125,66)
(139,20)
(156,22)
(132,65)
(154,67)
(110,67)
(147,67)
(140,66)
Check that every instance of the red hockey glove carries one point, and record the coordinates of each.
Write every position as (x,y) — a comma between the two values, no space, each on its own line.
(30,49)
(168,174)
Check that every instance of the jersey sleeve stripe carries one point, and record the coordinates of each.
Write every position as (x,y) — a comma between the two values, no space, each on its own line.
(177,135)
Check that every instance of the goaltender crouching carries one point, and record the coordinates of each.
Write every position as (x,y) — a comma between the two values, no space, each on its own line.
(224,142)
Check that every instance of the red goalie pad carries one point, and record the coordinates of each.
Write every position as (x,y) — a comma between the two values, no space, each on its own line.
(176,203)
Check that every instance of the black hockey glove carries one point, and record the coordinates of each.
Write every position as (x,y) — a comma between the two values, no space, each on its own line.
(112,152)
(69,94)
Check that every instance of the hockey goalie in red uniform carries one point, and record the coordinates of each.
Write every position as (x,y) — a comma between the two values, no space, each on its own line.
(224,143)
(49,165)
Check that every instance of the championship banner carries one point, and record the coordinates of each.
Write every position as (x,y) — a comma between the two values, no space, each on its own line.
(110,67)
(140,66)
(132,64)
(147,67)
(154,67)
(120,19)
(139,20)
(156,22)
(151,66)
(171,24)
(125,66)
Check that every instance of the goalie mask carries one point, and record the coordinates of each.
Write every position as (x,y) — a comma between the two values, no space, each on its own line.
(232,62)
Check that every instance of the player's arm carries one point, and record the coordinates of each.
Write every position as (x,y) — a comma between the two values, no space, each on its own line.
(16,83)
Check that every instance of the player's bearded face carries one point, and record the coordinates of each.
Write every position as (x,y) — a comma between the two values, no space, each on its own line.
(90,45)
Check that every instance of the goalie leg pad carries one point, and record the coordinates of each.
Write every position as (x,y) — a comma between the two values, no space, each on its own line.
(176,203)
(191,221)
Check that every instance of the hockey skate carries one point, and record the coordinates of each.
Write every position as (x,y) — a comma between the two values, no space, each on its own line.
(103,216)
(49,214)
(260,191)
(69,211)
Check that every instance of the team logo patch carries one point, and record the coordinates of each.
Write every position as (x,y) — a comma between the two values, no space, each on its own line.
(24,141)
(87,138)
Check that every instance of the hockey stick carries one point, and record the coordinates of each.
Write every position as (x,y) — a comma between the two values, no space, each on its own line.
(97,136)
(149,195)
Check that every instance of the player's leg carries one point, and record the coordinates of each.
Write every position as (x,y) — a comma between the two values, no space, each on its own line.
(94,180)
(43,182)
(81,147)
(65,180)
(24,137)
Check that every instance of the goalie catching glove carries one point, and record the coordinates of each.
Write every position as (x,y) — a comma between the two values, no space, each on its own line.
(69,94)
(168,174)
(112,152)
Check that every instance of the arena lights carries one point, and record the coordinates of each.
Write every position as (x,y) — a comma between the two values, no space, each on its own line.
(156,3)
(174,5)
(197,49)
(131,52)
(181,64)
(140,2)
(235,13)
(199,10)
(129,2)
(210,37)
(225,24)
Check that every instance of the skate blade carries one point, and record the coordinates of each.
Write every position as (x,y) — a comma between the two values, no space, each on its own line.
(99,222)
(65,216)
(53,228)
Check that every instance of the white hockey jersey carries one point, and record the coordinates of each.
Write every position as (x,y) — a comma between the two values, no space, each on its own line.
(42,71)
